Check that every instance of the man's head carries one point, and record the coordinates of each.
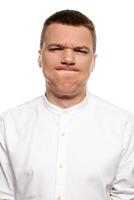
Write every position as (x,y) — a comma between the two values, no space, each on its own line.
(67,53)
(69,17)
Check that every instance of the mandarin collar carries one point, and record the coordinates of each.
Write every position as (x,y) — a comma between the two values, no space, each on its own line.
(73,109)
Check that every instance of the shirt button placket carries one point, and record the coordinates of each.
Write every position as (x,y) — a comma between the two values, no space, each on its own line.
(60,176)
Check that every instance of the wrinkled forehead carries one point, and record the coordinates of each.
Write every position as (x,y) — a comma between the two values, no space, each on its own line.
(68,35)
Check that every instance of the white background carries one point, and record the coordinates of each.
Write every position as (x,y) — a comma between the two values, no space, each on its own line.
(20,26)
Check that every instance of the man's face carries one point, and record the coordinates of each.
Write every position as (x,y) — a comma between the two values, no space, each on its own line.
(67,59)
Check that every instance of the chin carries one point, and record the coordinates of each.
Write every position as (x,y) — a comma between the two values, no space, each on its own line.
(67,91)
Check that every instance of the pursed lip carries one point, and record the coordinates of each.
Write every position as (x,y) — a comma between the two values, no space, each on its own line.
(67,68)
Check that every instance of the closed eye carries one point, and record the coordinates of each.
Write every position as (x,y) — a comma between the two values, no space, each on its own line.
(82,51)
(55,49)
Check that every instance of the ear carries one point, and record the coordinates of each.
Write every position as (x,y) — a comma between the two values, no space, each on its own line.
(39,59)
(93,62)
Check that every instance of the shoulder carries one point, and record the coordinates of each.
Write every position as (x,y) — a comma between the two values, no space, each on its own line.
(113,119)
(107,110)
(23,110)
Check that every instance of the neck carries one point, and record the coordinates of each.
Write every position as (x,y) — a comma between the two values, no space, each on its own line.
(65,101)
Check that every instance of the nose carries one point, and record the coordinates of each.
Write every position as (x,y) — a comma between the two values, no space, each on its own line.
(68,57)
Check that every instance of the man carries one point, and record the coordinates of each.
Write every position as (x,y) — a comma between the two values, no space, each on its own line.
(68,144)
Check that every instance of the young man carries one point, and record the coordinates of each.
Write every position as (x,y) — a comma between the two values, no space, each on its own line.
(68,144)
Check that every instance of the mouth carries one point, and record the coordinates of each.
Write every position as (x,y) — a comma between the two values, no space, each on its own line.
(67,68)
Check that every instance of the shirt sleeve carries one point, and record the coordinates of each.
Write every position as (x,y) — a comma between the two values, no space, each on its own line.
(7,191)
(123,184)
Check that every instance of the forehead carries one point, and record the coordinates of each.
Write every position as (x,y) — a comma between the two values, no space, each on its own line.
(59,33)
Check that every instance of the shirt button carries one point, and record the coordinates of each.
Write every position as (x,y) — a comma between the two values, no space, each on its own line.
(65,112)
(62,134)
(61,166)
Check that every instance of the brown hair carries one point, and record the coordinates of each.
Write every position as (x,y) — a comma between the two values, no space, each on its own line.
(69,17)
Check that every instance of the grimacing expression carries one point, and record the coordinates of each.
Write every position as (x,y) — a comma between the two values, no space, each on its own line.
(67,58)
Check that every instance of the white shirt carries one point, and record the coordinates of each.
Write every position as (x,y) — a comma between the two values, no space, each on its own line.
(85,152)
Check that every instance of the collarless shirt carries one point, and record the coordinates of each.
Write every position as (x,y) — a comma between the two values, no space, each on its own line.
(79,153)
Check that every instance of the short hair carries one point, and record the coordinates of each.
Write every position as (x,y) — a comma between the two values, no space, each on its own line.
(69,17)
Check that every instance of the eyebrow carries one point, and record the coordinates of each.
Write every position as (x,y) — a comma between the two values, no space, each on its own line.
(63,46)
